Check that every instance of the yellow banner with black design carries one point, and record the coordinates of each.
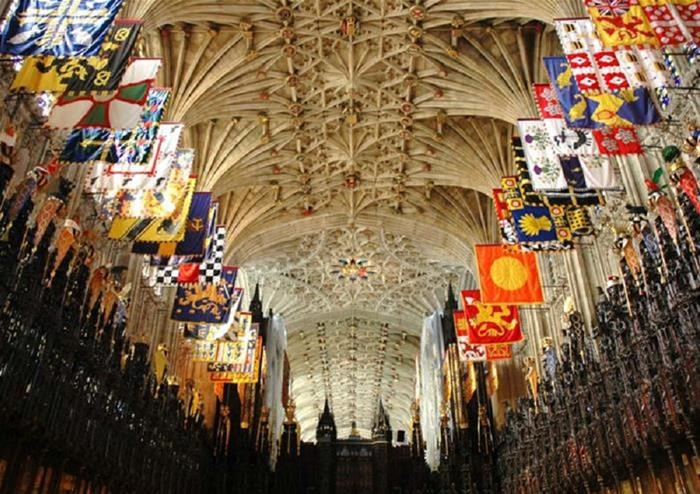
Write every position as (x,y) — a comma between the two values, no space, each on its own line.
(102,72)
(158,230)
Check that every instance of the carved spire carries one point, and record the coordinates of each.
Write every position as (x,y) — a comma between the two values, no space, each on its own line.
(451,302)
(326,429)
(448,325)
(256,306)
(381,428)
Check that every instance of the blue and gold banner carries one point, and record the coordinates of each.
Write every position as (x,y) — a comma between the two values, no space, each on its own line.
(573,172)
(206,304)
(624,108)
(534,224)
(58,27)
(197,226)
(196,231)
(124,147)
(81,74)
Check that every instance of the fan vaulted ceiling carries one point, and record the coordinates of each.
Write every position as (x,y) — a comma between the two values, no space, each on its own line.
(346,132)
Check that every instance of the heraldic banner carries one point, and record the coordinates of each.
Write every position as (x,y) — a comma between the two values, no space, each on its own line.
(81,74)
(490,324)
(210,304)
(58,27)
(508,276)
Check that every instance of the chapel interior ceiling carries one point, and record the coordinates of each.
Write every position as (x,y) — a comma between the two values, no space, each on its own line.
(341,132)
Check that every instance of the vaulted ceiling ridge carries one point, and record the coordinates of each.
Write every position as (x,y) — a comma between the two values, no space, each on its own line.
(352,146)
(443,241)
(326,365)
(215,81)
(162,12)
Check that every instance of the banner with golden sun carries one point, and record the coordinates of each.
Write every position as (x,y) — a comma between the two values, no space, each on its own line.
(508,276)
(490,324)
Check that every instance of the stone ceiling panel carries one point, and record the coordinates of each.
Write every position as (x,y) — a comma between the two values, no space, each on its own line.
(353,145)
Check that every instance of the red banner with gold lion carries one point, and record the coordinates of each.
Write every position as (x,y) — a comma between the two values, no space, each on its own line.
(490,324)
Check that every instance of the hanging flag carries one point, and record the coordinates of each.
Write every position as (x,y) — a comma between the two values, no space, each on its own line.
(528,215)
(547,101)
(542,161)
(519,188)
(120,111)
(599,173)
(58,27)
(212,266)
(571,166)
(239,358)
(674,22)
(204,351)
(499,352)
(166,275)
(467,351)
(577,35)
(249,377)
(617,141)
(81,74)
(210,304)
(621,23)
(625,108)
(501,204)
(208,271)
(239,320)
(156,230)
(140,202)
(599,70)
(471,353)
(568,141)
(135,180)
(124,148)
(576,193)
(594,68)
(196,230)
(534,224)
(490,324)
(197,226)
(188,273)
(576,109)
(508,276)
(645,67)
(579,221)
